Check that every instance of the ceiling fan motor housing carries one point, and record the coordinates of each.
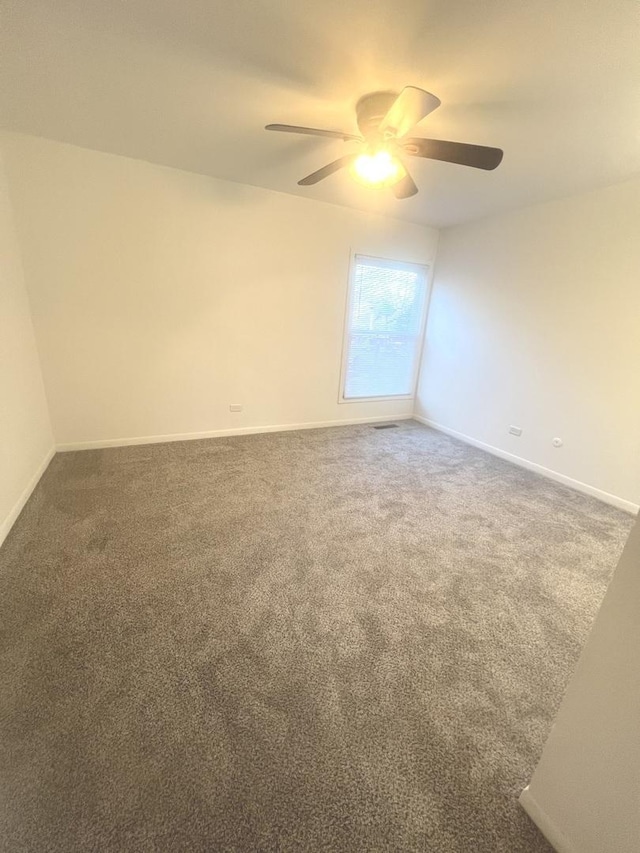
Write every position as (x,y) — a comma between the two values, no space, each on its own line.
(371,109)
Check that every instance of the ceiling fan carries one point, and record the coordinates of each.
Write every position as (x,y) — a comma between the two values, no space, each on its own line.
(384,119)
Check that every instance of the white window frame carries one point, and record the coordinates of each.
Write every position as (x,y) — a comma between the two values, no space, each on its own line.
(396,264)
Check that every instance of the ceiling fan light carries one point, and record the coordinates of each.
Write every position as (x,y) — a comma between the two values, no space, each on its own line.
(380,169)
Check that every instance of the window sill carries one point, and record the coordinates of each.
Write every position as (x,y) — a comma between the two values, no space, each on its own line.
(399,397)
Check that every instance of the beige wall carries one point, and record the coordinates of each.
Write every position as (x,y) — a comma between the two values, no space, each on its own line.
(535,322)
(585,792)
(160,297)
(26,442)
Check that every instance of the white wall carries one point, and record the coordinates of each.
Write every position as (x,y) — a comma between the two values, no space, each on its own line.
(159,297)
(535,321)
(26,441)
(585,792)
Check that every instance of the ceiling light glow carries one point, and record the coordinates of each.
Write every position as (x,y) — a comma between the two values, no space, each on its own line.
(380,169)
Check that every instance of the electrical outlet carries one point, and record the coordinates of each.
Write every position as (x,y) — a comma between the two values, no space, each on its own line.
(515,430)
(235,407)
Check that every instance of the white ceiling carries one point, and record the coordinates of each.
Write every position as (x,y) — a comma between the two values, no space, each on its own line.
(191,84)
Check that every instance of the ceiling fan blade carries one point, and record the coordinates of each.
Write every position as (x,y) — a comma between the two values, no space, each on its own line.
(405,188)
(477,156)
(410,107)
(327,170)
(313,131)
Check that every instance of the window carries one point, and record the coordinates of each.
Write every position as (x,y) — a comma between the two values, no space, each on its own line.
(385,318)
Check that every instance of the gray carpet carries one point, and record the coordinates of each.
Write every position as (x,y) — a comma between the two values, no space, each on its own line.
(328,640)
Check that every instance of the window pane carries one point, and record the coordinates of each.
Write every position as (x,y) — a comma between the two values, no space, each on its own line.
(385,318)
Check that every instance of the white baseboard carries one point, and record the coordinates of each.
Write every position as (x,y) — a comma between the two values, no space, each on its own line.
(547,827)
(221,433)
(9,521)
(585,488)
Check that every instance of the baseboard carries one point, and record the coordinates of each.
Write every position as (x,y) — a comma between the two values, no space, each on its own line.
(221,433)
(585,488)
(547,827)
(10,519)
